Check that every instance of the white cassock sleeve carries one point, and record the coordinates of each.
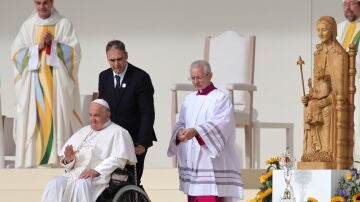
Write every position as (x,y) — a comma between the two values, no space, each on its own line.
(34,62)
(220,126)
(172,149)
(67,166)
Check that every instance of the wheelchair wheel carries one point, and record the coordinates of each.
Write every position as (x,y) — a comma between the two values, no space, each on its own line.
(131,193)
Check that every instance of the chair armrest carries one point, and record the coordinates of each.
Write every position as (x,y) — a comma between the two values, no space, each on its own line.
(182,87)
(241,86)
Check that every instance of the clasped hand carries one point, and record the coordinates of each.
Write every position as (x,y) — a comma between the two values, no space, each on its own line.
(45,41)
(139,149)
(186,134)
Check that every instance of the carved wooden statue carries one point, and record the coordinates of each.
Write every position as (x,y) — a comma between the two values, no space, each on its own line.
(329,106)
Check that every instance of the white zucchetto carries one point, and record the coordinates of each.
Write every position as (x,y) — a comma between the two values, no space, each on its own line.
(102,102)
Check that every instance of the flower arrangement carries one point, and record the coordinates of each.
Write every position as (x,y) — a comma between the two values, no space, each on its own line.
(349,187)
(265,193)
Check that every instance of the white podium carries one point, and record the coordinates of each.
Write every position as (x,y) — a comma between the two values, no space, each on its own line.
(319,184)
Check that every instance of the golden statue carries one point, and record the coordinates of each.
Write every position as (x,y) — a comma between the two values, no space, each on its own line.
(329,106)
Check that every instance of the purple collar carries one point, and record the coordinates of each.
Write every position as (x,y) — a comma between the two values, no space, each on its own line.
(206,90)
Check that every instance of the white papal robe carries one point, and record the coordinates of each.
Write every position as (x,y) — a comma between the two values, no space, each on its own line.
(342,29)
(47,109)
(104,151)
(213,168)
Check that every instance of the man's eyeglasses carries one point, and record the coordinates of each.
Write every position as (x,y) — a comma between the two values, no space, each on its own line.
(350,4)
(199,78)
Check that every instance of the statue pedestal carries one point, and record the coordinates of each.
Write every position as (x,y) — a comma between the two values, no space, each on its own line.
(315,165)
(319,184)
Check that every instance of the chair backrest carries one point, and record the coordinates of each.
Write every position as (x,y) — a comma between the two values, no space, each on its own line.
(9,144)
(84,103)
(231,57)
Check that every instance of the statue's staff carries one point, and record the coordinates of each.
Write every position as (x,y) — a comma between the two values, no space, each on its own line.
(301,62)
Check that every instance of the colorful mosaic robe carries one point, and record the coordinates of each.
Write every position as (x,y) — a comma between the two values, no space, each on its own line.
(47,92)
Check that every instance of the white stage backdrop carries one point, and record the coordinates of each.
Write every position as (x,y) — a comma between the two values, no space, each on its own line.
(164,37)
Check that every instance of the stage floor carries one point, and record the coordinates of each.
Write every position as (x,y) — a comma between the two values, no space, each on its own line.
(17,185)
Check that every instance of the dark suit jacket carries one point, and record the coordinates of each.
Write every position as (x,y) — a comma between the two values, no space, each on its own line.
(131,107)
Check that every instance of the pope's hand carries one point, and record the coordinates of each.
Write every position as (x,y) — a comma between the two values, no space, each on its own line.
(69,153)
(91,173)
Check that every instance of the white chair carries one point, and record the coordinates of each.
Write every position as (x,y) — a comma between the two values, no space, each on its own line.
(2,159)
(84,103)
(7,143)
(232,57)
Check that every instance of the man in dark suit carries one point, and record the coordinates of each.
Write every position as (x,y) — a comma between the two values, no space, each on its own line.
(129,92)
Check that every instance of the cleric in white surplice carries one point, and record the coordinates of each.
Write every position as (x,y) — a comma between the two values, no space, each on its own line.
(90,156)
(203,140)
(46,55)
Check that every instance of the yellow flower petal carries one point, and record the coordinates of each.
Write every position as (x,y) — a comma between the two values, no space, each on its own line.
(267,192)
(348,175)
(265,176)
(355,196)
(272,160)
(262,179)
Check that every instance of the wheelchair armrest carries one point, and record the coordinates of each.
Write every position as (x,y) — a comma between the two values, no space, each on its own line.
(128,170)
(125,174)
(124,171)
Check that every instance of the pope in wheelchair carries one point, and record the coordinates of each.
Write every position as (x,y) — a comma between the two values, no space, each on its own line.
(90,157)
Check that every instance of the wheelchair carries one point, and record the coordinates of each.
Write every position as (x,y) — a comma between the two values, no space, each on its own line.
(123,187)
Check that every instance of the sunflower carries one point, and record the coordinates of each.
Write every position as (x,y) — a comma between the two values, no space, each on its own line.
(337,199)
(272,160)
(265,179)
(355,197)
(311,199)
(265,176)
(267,192)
